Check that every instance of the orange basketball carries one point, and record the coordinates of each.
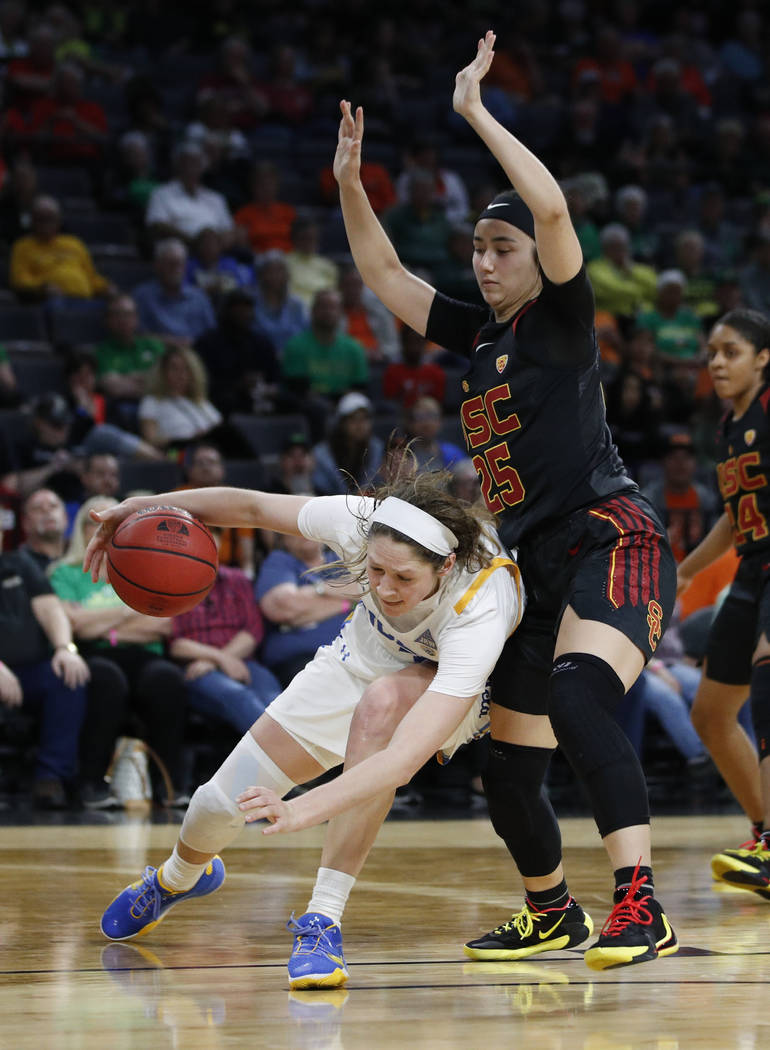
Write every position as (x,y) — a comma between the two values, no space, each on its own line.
(162,561)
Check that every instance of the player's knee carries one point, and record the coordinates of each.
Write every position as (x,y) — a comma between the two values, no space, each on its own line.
(380,709)
(210,814)
(583,694)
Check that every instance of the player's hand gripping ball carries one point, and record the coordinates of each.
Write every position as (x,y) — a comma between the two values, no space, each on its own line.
(162,561)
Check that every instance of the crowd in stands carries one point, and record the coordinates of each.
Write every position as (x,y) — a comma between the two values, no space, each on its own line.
(179,307)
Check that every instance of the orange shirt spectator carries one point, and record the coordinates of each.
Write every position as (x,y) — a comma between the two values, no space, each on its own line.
(709,584)
(377,184)
(268,226)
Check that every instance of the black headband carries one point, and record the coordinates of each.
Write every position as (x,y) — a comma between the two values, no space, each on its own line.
(512,210)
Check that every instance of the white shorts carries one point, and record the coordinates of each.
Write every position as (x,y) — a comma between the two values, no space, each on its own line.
(317,707)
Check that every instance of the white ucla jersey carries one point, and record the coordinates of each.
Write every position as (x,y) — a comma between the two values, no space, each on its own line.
(461,628)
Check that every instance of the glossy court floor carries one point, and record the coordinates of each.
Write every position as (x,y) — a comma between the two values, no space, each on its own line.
(213,974)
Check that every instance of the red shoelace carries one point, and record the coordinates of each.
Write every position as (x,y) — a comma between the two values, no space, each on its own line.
(630,909)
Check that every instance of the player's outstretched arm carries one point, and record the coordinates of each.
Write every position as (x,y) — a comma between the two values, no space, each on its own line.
(219,505)
(557,245)
(419,735)
(405,295)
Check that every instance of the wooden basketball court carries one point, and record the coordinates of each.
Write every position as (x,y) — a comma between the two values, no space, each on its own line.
(213,974)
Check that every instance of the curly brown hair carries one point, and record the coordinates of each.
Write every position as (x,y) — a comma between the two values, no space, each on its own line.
(472,524)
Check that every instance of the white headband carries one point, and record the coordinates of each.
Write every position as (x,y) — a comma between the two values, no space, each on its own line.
(417,524)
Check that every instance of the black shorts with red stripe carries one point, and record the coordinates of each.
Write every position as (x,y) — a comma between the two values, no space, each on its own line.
(611,562)
(743,617)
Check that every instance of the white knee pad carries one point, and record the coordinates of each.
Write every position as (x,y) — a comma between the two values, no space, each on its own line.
(213,818)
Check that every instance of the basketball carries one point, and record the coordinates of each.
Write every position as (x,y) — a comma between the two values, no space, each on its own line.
(162,561)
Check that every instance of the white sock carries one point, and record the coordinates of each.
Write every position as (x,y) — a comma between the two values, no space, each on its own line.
(330,893)
(177,874)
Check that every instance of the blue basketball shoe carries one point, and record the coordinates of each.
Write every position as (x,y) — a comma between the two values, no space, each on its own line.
(316,958)
(142,905)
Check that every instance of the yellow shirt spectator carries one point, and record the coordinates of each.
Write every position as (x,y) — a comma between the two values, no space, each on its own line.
(621,286)
(63,263)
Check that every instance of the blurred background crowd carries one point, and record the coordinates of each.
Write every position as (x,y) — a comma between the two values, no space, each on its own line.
(178,307)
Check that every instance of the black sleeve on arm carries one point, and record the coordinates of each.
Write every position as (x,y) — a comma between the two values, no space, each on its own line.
(454,325)
(567,322)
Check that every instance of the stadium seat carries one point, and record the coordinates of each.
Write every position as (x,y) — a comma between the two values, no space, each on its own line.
(160,475)
(268,434)
(244,473)
(22,324)
(77,327)
(37,373)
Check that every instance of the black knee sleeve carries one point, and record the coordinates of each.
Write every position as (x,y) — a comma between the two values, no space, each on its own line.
(519,807)
(583,693)
(760,705)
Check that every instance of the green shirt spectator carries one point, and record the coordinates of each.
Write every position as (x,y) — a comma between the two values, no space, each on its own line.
(71,584)
(327,360)
(675,327)
(125,358)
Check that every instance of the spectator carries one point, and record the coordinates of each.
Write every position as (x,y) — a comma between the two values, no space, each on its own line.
(755,277)
(183,207)
(667,692)
(17,197)
(375,179)
(241,362)
(423,423)
(234,79)
(63,127)
(366,319)
(217,642)
(449,191)
(352,454)
(465,480)
(634,417)
(266,219)
(621,285)
(687,508)
(47,263)
(700,286)
(309,272)
(277,313)
(289,101)
(676,329)
(44,524)
(167,307)
(204,467)
(41,671)
(723,240)
(212,269)
(412,377)
(303,610)
(323,359)
(294,472)
(419,229)
(176,409)
(134,181)
(9,392)
(455,277)
(124,359)
(44,454)
(213,132)
(100,475)
(129,673)
(631,211)
(578,202)
(29,77)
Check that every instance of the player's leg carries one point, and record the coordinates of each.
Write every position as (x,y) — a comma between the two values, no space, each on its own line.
(520,751)
(274,754)
(317,959)
(521,745)
(748,867)
(620,597)
(715,717)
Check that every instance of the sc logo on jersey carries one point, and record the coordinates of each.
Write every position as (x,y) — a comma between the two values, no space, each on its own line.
(501,362)
(655,623)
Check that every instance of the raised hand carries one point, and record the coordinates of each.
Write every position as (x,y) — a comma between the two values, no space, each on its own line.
(347,159)
(467,93)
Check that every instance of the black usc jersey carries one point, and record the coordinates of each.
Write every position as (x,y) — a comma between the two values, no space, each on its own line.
(533,411)
(743,468)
